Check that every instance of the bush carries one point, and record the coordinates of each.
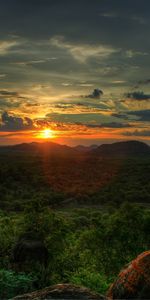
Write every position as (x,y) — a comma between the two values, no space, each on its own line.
(91,279)
(12,284)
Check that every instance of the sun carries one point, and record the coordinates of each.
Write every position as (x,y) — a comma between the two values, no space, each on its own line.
(47,134)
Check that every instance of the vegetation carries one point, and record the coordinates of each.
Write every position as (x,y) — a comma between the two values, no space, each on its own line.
(84,246)
(56,179)
(12,283)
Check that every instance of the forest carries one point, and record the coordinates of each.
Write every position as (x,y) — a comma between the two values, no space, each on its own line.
(87,215)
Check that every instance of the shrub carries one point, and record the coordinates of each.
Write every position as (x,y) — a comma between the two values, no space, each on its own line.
(12,284)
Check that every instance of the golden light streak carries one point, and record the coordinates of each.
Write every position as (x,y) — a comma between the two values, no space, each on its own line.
(47,134)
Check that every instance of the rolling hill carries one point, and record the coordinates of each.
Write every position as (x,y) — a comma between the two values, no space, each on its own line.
(128,148)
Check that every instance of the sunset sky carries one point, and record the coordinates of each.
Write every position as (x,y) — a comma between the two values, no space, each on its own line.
(78,68)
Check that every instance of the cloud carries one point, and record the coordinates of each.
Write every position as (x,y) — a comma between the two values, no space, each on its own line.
(96,94)
(114,15)
(116,125)
(82,52)
(2,76)
(6,46)
(108,15)
(8,93)
(71,128)
(80,106)
(83,117)
(137,133)
(118,81)
(142,82)
(4,103)
(13,123)
(146,81)
(13,99)
(131,53)
(138,95)
(141,20)
(120,115)
(30,62)
(110,125)
(143,115)
(34,62)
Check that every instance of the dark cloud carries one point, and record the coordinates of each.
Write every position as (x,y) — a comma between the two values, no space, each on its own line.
(138,133)
(72,17)
(13,123)
(143,82)
(13,99)
(8,93)
(96,94)
(139,95)
(107,125)
(116,125)
(4,103)
(109,24)
(11,94)
(120,115)
(143,115)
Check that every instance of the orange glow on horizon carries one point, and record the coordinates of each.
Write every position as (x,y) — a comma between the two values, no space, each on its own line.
(46,134)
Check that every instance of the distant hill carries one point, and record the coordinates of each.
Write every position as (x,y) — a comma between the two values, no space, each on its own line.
(34,169)
(128,148)
(82,148)
(46,147)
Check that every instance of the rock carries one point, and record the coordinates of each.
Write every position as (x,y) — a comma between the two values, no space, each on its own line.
(29,249)
(62,291)
(133,282)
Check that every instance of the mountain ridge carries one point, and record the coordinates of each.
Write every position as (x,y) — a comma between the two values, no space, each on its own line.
(118,148)
(122,148)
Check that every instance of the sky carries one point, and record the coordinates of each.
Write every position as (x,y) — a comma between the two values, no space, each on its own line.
(74,72)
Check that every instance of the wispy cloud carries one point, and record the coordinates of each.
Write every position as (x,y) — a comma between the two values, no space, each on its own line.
(7,45)
(2,76)
(134,18)
(137,133)
(34,62)
(82,52)
(132,53)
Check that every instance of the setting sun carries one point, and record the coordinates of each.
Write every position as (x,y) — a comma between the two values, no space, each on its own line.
(47,134)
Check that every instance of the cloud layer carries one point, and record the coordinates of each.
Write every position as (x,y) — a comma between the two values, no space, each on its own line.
(77,67)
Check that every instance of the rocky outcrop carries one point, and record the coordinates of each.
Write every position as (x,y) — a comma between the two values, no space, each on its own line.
(62,291)
(133,281)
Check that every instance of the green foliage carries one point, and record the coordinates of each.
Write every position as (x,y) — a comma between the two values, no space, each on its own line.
(91,279)
(12,284)
(86,246)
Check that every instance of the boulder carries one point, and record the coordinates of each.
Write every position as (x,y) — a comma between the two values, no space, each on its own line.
(62,291)
(133,281)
